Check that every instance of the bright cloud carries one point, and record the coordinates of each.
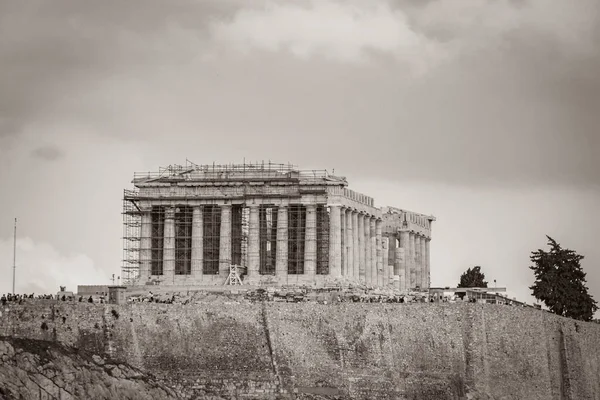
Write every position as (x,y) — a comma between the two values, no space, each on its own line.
(342,31)
(42,269)
(420,36)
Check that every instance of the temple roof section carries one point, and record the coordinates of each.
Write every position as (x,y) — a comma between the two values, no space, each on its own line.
(259,172)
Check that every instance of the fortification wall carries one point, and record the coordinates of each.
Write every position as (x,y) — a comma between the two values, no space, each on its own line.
(351,350)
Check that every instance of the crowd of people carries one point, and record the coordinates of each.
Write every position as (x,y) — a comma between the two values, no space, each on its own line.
(325,297)
(292,296)
(154,298)
(296,295)
(21,298)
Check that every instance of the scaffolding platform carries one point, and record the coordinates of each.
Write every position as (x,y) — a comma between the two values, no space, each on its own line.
(233,278)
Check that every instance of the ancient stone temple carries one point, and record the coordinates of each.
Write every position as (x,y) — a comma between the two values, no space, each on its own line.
(273,224)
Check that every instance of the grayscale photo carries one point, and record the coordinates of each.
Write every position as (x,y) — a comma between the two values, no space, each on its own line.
(299,199)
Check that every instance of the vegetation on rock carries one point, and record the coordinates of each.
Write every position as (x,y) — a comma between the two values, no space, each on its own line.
(560,282)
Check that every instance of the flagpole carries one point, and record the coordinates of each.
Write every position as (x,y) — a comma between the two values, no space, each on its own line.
(14,256)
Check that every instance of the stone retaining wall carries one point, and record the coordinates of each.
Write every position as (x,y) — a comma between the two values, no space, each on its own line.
(340,350)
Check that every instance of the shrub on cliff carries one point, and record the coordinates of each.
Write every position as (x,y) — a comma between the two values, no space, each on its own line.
(560,282)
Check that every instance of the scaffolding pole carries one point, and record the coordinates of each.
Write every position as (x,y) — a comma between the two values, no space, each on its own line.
(14,257)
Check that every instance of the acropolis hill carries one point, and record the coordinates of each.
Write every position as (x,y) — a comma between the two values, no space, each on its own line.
(214,237)
(226,348)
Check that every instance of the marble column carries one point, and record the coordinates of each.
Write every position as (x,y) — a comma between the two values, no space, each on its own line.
(379,253)
(424,274)
(428,263)
(310,244)
(418,261)
(367,264)
(197,243)
(404,237)
(398,268)
(335,245)
(225,241)
(355,249)
(343,240)
(385,242)
(169,246)
(281,260)
(145,248)
(392,244)
(373,255)
(395,267)
(349,244)
(361,248)
(412,261)
(253,244)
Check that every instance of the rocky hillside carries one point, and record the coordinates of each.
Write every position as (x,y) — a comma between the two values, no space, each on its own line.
(233,349)
(35,369)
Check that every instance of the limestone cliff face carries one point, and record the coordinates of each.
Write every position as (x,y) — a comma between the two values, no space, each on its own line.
(34,369)
(234,350)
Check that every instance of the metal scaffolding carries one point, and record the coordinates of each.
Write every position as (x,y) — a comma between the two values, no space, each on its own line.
(191,171)
(296,238)
(267,239)
(132,224)
(322,240)
(183,240)
(239,237)
(157,221)
(211,218)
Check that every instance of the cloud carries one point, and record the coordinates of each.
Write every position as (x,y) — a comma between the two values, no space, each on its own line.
(420,33)
(42,269)
(48,153)
(461,91)
(52,55)
(347,31)
(496,25)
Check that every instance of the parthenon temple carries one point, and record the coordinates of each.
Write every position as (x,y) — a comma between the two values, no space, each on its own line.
(273,224)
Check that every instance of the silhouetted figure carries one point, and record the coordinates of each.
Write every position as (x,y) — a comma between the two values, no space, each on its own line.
(91,299)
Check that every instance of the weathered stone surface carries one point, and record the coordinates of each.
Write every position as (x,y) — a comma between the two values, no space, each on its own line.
(236,349)
(46,370)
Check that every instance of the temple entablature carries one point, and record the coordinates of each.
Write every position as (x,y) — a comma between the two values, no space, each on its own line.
(397,219)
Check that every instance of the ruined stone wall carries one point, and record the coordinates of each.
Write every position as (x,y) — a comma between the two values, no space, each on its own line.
(349,350)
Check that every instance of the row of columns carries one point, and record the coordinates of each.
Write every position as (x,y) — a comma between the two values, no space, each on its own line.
(355,246)
(356,234)
(225,243)
(411,262)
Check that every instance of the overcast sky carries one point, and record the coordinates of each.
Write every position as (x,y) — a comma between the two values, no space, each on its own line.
(485,114)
